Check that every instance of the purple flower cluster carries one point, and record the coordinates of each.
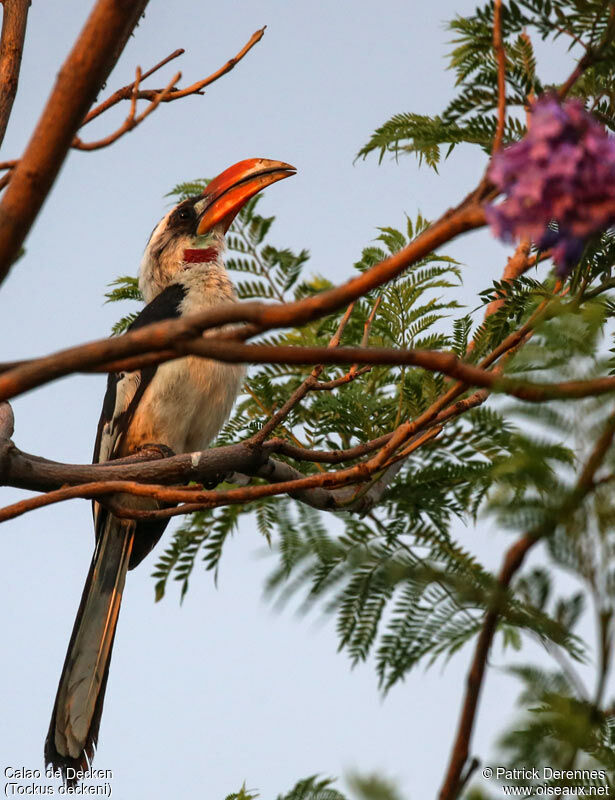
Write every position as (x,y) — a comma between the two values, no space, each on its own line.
(563,172)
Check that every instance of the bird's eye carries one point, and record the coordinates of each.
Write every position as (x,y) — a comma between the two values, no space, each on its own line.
(184,213)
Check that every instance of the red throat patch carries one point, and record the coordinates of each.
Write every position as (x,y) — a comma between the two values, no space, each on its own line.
(200,256)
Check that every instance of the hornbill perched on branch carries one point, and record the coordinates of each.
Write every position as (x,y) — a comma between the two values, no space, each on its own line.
(181,404)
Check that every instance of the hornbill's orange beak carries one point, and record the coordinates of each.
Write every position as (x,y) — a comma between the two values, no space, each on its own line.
(232,189)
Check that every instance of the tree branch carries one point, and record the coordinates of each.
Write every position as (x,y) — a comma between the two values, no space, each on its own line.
(26,471)
(516,266)
(197,88)
(86,68)
(308,384)
(590,57)
(512,562)
(500,54)
(14,19)
(157,465)
(283,479)
(7,422)
(195,498)
(128,92)
(131,121)
(262,316)
(133,92)
(19,379)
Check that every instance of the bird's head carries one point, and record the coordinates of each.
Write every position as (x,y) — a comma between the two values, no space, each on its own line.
(193,232)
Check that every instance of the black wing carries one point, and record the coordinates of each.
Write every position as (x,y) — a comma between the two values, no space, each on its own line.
(125,389)
(124,392)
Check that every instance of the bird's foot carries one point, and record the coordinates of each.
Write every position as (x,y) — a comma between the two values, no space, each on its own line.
(161,450)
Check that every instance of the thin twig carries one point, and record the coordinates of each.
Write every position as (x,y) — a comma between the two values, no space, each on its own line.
(197,88)
(301,391)
(516,266)
(512,562)
(133,92)
(127,92)
(353,373)
(590,57)
(500,54)
(131,121)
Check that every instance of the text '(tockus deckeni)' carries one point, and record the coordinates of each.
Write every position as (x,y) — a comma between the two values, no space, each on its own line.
(181,404)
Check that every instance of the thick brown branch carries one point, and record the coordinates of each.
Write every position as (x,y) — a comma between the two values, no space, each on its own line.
(26,471)
(19,469)
(283,479)
(87,67)
(14,19)
(360,497)
(7,422)
(262,316)
(31,472)
(194,496)
(20,379)
(436,361)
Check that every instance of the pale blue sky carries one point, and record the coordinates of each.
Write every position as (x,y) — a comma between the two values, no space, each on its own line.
(223,689)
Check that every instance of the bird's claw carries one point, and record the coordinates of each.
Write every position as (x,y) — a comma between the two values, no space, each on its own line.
(160,449)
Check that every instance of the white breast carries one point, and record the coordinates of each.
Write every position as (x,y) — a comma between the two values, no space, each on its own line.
(189,399)
(186,404)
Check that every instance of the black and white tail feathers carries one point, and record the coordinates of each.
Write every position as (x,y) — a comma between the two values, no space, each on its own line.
(73,731)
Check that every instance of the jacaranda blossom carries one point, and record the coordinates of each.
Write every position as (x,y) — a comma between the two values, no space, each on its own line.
(563,172)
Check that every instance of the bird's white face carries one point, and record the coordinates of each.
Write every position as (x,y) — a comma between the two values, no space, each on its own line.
(193,232)
(175,246)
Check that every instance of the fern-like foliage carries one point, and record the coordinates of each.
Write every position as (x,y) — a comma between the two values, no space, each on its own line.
(566,740)
(404,591)
(313,788)
(242,794)
(470,117)
(401,587)
(125,287)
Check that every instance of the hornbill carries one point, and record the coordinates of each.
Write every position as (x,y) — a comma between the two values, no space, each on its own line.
(181,404)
